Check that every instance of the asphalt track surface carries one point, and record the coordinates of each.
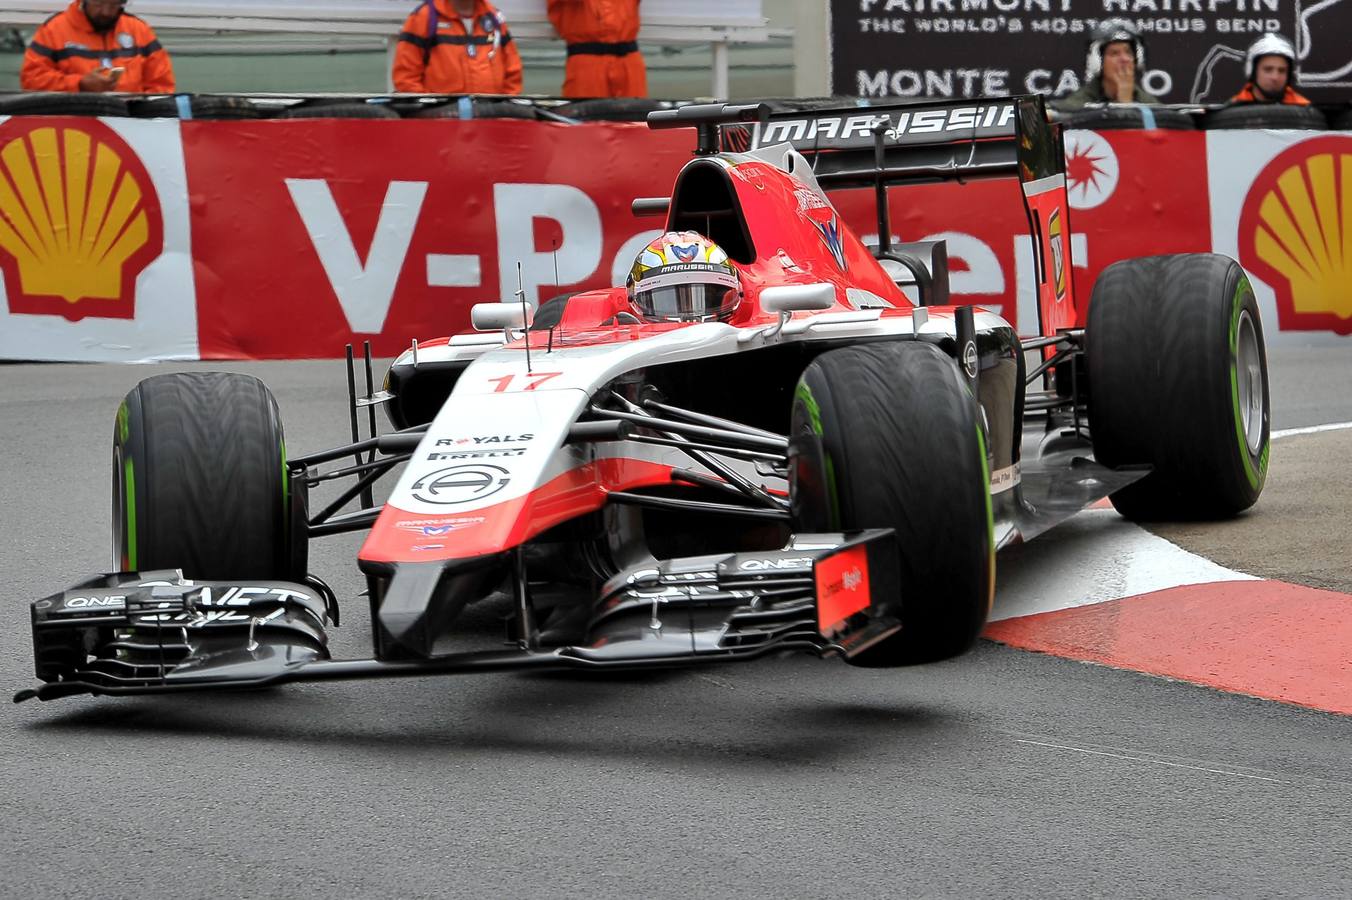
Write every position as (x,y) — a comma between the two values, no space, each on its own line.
(1004,772)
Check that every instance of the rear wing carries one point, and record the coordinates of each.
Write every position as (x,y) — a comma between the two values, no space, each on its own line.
(892,144)
(898,143)
(948,140)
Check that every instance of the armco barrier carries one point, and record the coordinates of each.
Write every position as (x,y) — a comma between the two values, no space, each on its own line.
(130,239)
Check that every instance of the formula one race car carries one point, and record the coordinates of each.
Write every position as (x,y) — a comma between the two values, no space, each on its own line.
(773,439)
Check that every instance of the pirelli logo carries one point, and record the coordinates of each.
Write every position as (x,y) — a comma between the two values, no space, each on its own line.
(915,125)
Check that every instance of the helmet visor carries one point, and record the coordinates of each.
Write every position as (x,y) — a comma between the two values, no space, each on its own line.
(687,302)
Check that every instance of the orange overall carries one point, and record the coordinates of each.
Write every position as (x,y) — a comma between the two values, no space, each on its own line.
(1250,95)
(438,55)
(602,39)
(66,48)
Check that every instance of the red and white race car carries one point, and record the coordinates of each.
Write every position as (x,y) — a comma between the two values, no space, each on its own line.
(818,453)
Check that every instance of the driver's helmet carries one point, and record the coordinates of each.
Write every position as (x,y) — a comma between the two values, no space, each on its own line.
(1111,32)
(683,276)
(1270,44)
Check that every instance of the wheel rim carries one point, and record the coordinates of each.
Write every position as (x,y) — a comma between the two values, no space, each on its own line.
(1249,375)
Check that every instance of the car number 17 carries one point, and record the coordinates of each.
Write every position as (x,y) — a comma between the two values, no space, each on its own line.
(533,381)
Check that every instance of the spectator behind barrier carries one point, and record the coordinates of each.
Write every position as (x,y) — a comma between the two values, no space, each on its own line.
(96,46)
(602,39)
(1270,66)
(1116,54)
(456,47)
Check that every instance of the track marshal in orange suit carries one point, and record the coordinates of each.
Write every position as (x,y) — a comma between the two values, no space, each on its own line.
(602,39)
(96,46)
(456,47)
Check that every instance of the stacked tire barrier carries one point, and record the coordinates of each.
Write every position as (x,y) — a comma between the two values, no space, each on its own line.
(219,106)
(1238,116)
(622,109)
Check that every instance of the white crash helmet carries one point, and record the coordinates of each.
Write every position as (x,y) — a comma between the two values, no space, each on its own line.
(1110,32)
(682,276)
(1271,44)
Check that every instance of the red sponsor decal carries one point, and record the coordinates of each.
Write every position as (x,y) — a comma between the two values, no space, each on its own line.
(842,587)
(1295,233)
(79,218)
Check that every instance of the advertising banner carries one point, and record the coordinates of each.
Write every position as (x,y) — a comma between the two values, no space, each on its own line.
(136,240)
(94,241)
(971,48)
(312,234)
(1123,203)
(1282,206)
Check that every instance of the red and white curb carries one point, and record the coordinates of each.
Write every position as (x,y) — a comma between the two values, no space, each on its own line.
(1095,557)
(1102,590)
(1261,638)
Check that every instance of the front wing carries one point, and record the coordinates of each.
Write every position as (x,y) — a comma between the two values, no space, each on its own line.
(144,633)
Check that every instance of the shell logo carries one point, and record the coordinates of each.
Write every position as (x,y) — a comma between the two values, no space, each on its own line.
(1295,233)
(79,219)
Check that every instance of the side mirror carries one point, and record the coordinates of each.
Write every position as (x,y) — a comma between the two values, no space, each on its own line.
(790,298)
(499,316)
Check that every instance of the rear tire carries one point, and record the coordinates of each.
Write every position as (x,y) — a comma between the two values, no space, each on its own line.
(200,481)
(1178,381)
(887,435)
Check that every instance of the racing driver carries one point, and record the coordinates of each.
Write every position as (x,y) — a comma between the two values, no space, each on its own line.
(683,276)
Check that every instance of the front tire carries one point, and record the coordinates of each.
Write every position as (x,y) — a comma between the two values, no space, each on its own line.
(1178,381)
(888,435)
(200,481)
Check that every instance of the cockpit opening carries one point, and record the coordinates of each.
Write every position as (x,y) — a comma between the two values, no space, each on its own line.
(704,200)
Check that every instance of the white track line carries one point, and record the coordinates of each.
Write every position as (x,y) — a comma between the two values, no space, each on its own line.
(1312,429)
(1149,761)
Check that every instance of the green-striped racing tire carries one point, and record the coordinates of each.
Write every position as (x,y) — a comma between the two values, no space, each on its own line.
(887,435)
(1178,381)
(200,481)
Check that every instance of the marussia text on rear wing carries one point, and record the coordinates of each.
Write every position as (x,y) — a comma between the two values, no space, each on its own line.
(836,130)
(916,142)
